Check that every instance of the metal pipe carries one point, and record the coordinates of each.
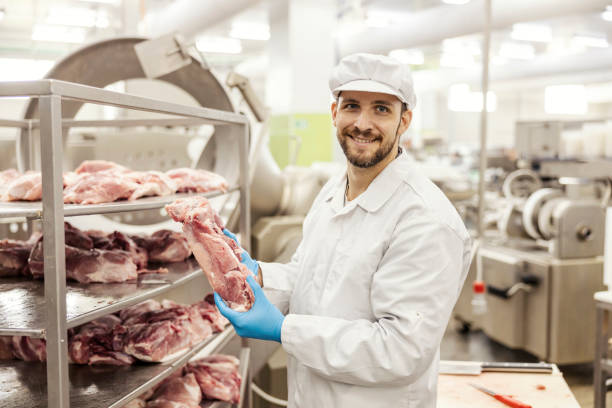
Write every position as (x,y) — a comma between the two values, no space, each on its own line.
(245,202)
(483,116)
(58,390)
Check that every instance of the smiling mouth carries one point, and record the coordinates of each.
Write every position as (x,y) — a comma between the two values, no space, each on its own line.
(362,140)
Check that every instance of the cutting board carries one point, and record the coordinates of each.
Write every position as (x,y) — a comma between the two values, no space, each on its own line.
(538,390)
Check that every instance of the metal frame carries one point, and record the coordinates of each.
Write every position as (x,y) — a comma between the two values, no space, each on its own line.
(51,94)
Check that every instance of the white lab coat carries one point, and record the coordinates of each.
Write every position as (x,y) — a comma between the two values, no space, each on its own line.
(369,293)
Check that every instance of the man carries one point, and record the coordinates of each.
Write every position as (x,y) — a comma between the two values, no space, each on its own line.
(371,287)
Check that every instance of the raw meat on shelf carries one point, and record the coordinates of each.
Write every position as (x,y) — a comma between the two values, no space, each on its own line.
(6,177)
(218,377)
(151,183)
(159,335)
(197,180)
(14,256)
(217,254)
(95,166)
(164,246)
(92,343)
(26,187)
(178,392)
(100,187)
(29,349)
(209,311)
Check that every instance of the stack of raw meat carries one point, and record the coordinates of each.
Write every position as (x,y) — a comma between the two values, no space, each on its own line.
(99,181)
(149,331)
(211,378)
(218,255)
(96,256)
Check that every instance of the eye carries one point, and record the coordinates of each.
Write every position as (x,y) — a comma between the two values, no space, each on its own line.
(350,106)
(382,109)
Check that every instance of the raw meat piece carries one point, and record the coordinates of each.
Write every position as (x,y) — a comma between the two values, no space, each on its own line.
(136,403)
(29,349)
(217,254)
(178,392)
(14,257)
(70,178)
(100,187)
(119,241)
(130,315)
(151,183)
(27,187)
(218,377)
(94,166)
(87,266)
(196,180)
(164,246)
(77,238)
(6,348)
(6,177)
(159,334)
(93,343)
(209,311)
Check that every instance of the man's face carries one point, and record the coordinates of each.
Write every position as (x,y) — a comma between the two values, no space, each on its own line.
(368,126)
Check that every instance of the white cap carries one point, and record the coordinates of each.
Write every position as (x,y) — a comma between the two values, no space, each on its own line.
(373,73)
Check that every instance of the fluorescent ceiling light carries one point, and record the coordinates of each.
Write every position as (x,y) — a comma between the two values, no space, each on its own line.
(456,60)
(462,99)
(21,69)
(512,50)
(531,32)
(565,99)
(219,45)
(590,41)
(49,33)
(411,57)
(456,2)
(78,17)
(250,31)
(607,15)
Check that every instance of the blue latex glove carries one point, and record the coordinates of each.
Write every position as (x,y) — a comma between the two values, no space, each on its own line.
(262,321)
(246,258)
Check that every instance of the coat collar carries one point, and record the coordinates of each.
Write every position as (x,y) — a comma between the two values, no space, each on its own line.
(378,192)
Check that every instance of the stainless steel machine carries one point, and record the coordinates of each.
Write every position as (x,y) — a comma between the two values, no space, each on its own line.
(544,261)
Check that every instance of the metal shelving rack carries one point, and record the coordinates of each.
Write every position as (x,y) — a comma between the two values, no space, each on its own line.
(25,310)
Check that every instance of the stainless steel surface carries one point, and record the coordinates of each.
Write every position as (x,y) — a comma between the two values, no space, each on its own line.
(245,202)
(54,254)
(91,94)
(602,335)
(580,229)
(245,358)
(34,209)
(163,55)
(486,45)
(22,384)
(23,310)
(14,123)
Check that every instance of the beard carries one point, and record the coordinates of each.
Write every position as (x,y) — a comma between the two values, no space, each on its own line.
(371,159)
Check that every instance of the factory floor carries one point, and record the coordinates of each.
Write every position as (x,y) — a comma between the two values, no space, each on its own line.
(476,346)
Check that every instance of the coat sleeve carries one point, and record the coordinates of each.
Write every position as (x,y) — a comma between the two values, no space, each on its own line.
(413,292)
(279,280)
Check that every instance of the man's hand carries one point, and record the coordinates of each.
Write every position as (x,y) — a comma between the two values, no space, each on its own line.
(262,321)
(246,259)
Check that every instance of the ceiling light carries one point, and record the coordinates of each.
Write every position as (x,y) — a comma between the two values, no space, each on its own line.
(512,50)
(565,99)
(219,45)
(462,99)
(411,57)
(590,41)
(21,69)
(531,32)
(456,2)
(250,31)
(49,33)
(607,15)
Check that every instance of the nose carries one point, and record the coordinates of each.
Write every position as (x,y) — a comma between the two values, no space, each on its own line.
(363,121)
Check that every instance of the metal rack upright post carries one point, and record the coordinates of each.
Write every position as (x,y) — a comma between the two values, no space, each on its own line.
(51,94)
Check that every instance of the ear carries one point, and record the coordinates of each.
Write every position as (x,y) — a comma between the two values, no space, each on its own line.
(334,111)
(405,121)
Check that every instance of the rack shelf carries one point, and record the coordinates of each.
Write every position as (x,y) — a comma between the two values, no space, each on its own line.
(23,384)
(22,304)
(34,209)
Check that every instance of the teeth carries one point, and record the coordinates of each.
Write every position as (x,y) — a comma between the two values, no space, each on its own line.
(362,140)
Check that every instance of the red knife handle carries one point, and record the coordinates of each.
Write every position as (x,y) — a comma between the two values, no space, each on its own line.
(511,402)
